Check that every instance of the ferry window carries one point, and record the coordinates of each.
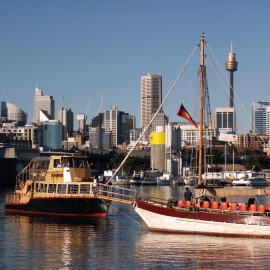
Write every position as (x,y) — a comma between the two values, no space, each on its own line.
(76,162)
(56,162)
(85,189)
(64,162)
(42,188)
(52,188)
(61,189)
(73,189)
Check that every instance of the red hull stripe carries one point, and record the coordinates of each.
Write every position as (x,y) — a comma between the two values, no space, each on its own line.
(15,211)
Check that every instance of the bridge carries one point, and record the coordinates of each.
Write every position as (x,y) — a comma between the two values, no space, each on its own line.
(115,193)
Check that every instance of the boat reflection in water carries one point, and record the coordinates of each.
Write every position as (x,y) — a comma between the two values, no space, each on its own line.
(42,243)
(201,252)
(31,242)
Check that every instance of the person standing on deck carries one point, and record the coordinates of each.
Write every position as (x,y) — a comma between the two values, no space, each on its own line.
(188,196)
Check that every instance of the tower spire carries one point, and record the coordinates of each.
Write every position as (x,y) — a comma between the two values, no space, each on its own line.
(231,66)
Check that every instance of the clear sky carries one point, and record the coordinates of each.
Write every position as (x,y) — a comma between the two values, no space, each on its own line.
(81,50)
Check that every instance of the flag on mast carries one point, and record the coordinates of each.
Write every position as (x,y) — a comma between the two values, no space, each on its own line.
(184,113)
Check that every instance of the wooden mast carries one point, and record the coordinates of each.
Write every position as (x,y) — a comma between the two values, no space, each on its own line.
(202,71)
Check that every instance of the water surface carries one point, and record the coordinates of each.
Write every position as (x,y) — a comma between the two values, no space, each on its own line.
(119,241)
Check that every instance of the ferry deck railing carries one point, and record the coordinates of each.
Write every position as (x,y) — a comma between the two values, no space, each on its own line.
(117,194)
(41,189)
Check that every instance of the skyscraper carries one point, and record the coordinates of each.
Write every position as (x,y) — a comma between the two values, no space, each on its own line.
(81,121)
(225,120)
(43,103)
(151,96)
(259,117)
(120,123)
(65,116)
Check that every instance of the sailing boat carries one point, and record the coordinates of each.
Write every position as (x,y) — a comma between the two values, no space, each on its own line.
(205,216)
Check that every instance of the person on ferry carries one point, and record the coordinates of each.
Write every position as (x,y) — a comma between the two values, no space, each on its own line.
(188,196)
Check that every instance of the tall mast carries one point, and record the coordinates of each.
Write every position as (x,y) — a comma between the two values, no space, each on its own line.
(202,73)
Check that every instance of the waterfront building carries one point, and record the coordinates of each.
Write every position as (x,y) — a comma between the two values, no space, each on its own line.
(12,113)
(251,141)
(43,103)
(151,98)
(259,117)
(100,138)
(120,123)
(111,123)
(161,120)
(81,121)
(51,135)
(268,121)
(190,134)
(134,134)
(65,117)
(225,120)
(27,134)
(229,138)
(98,120)
(173,148)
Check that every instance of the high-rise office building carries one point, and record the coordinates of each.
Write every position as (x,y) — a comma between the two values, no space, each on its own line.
(111,122)
(120,123)
(259,117)
(161,120)
(225,120)
(100,138)
(65,117)
(151,96)
(81,121)
(43,103)
(97,121)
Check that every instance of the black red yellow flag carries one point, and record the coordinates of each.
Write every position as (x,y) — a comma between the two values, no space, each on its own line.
(184,113)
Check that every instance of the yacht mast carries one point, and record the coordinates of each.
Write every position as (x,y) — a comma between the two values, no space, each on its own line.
(202,75)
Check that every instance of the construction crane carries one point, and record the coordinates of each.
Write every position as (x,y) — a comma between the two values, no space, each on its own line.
(87,108)
(101,104)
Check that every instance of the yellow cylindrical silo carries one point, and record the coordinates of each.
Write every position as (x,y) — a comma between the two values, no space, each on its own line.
(157,141)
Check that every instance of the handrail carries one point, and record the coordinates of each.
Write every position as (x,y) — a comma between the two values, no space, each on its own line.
(41,189)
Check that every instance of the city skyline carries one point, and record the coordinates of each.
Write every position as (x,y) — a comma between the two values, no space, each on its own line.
(78,52)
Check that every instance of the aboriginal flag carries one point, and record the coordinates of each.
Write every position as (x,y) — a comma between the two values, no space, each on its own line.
(183,113)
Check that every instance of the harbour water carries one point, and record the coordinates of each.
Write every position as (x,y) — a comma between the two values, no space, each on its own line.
(119,241)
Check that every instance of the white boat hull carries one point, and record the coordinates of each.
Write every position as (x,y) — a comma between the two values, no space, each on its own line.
(163,223)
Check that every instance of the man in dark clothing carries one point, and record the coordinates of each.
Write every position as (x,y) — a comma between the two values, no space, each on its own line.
(188,195)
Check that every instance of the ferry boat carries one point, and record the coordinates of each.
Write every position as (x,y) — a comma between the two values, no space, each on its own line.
(57,185)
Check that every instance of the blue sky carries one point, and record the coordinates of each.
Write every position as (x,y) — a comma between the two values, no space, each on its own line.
(81,50)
